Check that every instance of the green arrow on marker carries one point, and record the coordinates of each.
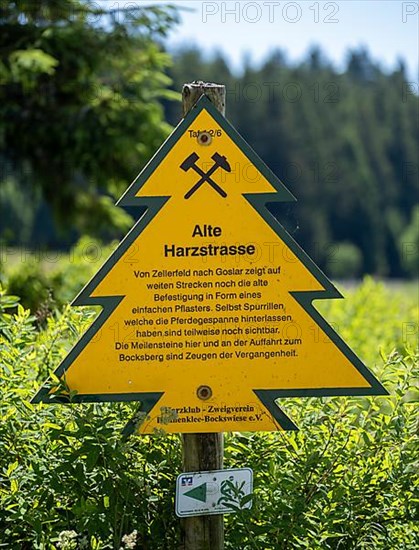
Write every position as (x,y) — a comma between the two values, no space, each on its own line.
(198,493)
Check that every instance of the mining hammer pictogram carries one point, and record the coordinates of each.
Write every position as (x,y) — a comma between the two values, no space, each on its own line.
(220,161)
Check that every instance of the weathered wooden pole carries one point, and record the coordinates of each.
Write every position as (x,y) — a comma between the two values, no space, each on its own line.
(203,451)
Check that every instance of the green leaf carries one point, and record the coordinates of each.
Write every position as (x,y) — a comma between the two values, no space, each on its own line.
(246,499)
(32,60)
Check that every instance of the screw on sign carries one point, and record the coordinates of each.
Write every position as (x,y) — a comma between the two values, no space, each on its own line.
(204,138)
(204,392)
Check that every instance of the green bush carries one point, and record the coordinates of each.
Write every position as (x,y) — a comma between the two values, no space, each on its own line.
(74,270)
(48,281)
(32,284)
(347,480)
(409,246)
(346,263)
(68,469)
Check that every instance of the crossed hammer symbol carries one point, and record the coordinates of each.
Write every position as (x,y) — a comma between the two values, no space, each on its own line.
(219,162)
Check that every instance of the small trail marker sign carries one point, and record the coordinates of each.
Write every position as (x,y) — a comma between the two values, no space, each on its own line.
(214,492)
(208,313)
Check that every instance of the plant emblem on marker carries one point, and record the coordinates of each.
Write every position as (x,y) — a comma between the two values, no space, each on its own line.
(208,314)
(213,492)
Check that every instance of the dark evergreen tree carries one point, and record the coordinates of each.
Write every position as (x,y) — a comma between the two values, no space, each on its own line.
(344,143)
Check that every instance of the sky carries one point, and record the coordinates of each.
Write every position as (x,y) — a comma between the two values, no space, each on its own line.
(388,29)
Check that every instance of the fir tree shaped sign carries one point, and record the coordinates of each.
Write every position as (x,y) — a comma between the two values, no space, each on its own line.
(207,304)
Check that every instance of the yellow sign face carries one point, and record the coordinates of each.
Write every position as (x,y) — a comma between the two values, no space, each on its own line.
(208,314)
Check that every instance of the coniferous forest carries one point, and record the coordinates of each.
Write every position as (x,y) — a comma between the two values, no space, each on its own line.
(345,143)
(81,112)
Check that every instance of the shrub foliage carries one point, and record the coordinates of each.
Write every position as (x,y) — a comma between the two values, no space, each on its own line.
(346,480)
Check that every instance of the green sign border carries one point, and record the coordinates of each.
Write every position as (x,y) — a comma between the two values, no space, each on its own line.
(258,201)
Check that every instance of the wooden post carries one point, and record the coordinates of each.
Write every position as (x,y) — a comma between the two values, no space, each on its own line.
(203,451)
